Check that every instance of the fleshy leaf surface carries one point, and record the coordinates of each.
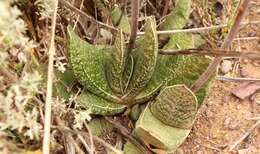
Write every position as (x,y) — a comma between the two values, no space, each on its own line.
(88,64)
(116,65)
(120,20)
(98,105)
(175,106)
(178,17)
(153,131)
(145,58)
(63,85)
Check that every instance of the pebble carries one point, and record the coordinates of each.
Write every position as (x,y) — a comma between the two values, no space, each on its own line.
(227,122)
(251,34)
(243,151)
(209,113)
(179,151)
(244,72)
(225,66)
(230,124)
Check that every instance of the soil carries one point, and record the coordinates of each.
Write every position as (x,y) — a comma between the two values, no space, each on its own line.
(224,118)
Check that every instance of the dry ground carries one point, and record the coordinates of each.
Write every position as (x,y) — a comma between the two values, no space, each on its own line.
(225,118)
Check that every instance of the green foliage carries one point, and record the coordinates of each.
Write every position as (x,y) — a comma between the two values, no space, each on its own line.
(145,58)
(114,80)
(120,20)
(175,106)
(115,66)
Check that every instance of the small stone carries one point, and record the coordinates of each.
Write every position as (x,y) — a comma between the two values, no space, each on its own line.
(227,122)
(179,151)
(226,99)
(225,66)
(243,151)
(200,152)
(251,34)
(243,72)
(230,124)
(233,126)
(209,113)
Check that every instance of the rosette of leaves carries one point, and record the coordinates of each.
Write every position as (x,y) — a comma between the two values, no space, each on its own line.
(114,80)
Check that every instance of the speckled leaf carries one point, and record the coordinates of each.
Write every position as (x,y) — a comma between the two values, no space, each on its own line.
(88,65)
(175,20)
(145,59)
(178,17)
(164,67)
(99,126)
(171,70)
(175,106)
(98,105)
(130,148)
(153,131)
(120,20)
(115,66)
(63,84)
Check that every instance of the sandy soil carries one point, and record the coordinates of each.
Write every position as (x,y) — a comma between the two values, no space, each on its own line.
(224,118)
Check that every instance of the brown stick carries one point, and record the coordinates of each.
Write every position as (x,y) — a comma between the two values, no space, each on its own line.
(48,102)
(231,35)
(211,52)
(251,129)
(61,126)
(128,135)
(134,28)
(78,11)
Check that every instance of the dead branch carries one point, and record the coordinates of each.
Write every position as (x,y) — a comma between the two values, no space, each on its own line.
(134,28)
(67,129)
(47,118)
(211,52)
(251,129)
(231,35)
(79,12)
(236,79)
(128,135)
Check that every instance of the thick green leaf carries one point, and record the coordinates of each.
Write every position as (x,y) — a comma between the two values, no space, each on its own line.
(165,67)
(130,148)
(63,85)
(88,64)
(171,70)
(175,106)
(100,127)
(145,58)
(120,20)
(153,131)
(116,65)
(178,17)
(98,105)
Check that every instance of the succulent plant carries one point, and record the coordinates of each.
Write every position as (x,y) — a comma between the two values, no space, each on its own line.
(114,80)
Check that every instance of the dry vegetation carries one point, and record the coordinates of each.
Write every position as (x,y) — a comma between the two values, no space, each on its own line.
(26,43)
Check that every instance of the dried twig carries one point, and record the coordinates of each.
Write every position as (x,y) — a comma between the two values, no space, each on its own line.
(134,28)
(85,144)
(167,32)
(191,30)
(47,119)
(166,7)
(231,35)
(251,129)
(92,147)
(128,135)
(236,79)
(78,11)
(10,76)
(67,129)
(211,52)
(197,30)
(81,5)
